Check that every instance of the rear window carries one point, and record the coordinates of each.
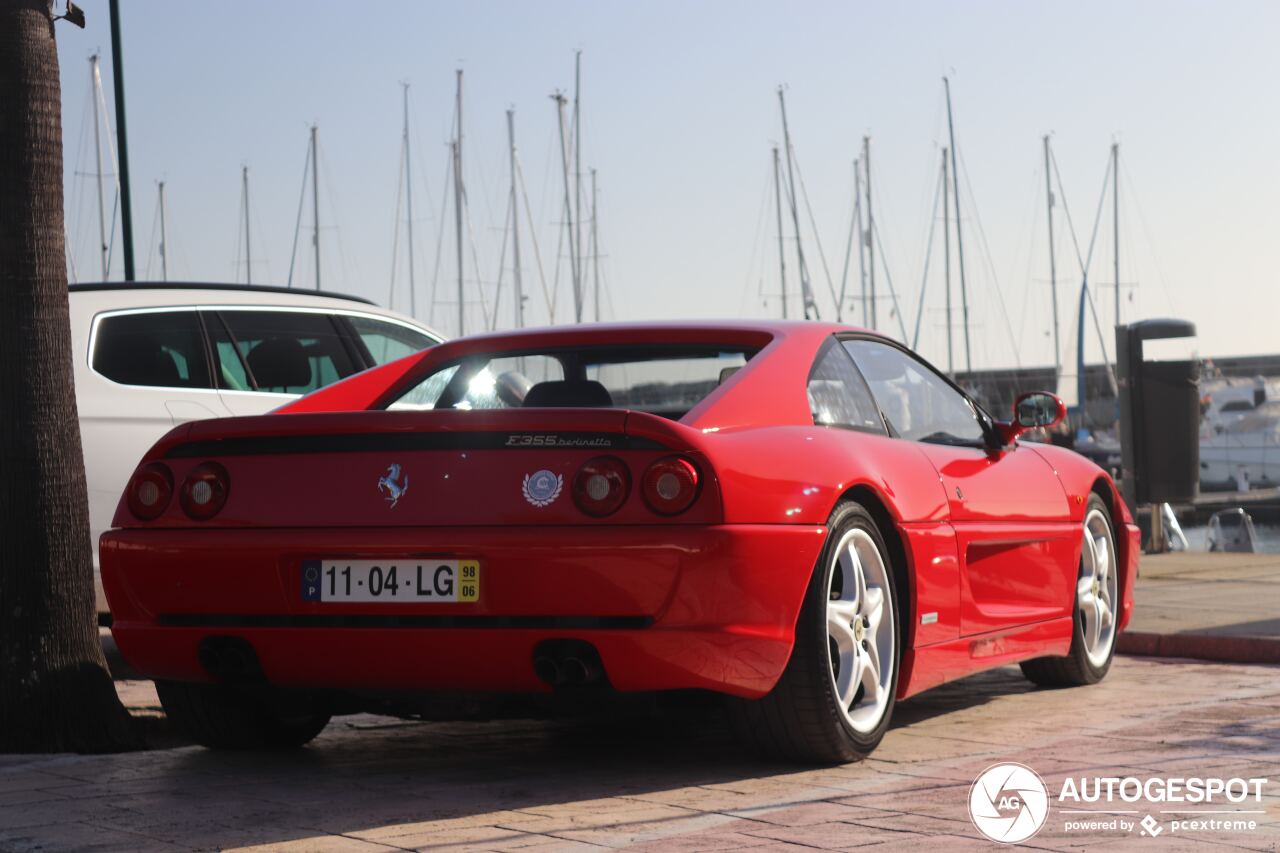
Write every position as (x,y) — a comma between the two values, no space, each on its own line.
(660,379)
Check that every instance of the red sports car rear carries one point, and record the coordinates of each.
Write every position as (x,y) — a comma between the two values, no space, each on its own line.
(604,508)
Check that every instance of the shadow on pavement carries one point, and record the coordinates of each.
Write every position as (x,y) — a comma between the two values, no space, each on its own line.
(366,772)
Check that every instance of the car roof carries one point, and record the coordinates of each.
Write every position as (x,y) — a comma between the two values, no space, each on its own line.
(113,296)
(213,292)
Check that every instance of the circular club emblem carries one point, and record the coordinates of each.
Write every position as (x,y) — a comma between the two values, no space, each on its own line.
(542,487)
(1008,803)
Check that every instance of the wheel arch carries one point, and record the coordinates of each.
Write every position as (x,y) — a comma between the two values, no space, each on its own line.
(1106,490)
(884,518)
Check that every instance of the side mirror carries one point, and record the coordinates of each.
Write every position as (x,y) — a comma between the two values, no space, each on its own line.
(1032,410)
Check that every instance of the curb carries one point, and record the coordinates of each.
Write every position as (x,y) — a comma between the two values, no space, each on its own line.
(1200,647)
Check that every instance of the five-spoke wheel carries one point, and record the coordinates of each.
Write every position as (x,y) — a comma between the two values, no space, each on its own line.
(1096,591)
(1097,602)
(835,698)
(860,630)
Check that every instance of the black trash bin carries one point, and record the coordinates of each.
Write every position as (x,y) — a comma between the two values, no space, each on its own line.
(1159,417)
(1170,440)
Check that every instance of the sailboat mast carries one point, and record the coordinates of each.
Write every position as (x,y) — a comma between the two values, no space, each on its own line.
(871,247)
(595,248)
(946,261)
(782,255)
(862,242)
(848,247)
(164,243)
(795,213)
(1115,218)
(955,180)
(457,202)
(560,100)
(1053,269)
(95,90)
(408,195)
(315,198)
(248,252)
(577,172)
(515,221)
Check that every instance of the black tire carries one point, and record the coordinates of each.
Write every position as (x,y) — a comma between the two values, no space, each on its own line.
(801,719)
(221,717)
(1075,670)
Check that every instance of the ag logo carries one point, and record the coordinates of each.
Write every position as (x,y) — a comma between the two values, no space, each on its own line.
(1008,803)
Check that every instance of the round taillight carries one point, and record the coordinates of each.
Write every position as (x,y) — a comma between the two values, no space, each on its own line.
(204,492)
(150,491)
(601,485)
(670,485)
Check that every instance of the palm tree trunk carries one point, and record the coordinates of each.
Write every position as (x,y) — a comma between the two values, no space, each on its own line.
(55,692)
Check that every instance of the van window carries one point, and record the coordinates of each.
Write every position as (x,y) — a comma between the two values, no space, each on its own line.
(285,351)
(389,341)
(160,349)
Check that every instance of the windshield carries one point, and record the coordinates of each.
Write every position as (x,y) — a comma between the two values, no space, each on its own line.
(661,379)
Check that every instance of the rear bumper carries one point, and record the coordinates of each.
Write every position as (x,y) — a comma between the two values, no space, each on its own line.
(668,607)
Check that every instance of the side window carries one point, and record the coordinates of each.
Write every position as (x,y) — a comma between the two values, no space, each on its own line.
(918,403)
(162,349)
(838,395)
(285,352)
(426,393)
(389,341)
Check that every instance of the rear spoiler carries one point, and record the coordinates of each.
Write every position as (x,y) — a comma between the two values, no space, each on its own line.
(336,432)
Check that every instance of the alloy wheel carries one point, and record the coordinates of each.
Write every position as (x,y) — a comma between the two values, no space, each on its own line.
(860,632)
(1096,589)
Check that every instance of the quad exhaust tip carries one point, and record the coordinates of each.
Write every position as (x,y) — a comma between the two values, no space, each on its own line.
(568,663)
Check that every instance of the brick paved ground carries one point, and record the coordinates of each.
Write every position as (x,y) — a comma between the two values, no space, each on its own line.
(371,784)
(1232,595)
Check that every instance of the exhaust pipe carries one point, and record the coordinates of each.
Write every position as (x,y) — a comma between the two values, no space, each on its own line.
(231,660)
(568,663)
(548,670)
(578,671)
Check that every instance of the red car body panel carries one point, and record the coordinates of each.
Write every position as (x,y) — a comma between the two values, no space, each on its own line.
(695,607)
(989,540)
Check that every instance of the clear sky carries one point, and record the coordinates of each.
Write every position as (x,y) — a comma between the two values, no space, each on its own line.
(679,113)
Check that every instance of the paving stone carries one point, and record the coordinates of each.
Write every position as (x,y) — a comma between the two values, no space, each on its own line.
(370,783)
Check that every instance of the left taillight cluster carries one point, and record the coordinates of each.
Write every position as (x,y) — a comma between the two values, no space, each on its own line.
(202,494)
(668,486)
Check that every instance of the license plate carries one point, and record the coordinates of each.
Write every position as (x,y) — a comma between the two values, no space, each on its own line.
(389,581)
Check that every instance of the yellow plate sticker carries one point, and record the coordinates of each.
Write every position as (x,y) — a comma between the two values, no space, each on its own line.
(469,580)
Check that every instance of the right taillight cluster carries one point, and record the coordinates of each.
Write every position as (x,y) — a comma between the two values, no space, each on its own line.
(668,486)
(202,494)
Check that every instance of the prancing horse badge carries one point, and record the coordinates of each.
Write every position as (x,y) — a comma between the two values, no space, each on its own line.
(392,485)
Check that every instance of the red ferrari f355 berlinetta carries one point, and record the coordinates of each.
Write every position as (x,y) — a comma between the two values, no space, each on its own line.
(803,517)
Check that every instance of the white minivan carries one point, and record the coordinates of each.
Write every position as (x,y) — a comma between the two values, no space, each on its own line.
(150,356)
